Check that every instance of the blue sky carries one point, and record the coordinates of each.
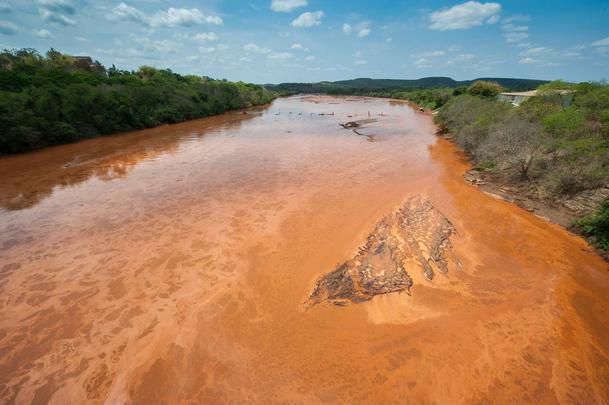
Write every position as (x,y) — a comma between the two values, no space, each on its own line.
(270,41)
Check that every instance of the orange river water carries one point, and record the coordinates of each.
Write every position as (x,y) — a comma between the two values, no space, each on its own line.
(170,265)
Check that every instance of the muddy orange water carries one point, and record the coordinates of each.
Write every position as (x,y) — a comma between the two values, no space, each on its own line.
(172,264)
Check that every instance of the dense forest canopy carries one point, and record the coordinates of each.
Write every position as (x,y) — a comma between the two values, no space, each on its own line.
(57,98)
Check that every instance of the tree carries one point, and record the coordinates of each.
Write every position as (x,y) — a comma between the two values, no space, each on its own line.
(482,88)
(61,98)
(515,144)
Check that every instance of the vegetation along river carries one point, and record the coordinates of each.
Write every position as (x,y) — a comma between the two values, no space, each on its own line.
(275,256)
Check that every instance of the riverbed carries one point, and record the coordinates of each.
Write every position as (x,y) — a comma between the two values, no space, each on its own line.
(173,265)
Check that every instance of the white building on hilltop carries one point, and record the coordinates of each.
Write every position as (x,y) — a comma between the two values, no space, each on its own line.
(517,98)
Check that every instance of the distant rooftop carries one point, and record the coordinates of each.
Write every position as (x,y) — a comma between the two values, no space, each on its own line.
(533,93)
(516,98)
(521,93)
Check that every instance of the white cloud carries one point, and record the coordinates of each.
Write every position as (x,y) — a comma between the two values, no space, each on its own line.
(44,34)
(281,55)
(245,59)
(516,17)
(308,19)
(514,33)
(182,17)
(154,46)
(58,6)
(358,54)
(206,36)
(536,51)
(8,28)
(204,49)
(57,18)
(173,17)
(253,48)
(570,54)
(310,58)
(181,35)
(493,19)
(57,11)
(601,42)
(123,12)
(515,37)
(528,61)
(428,54)
(388,40)
(467,15)
(299,47)
(464,56)
(422,63)
(347,28)
(544,56)
(285,6)
(509,27)
(602,50)
(361,62)
(364,32)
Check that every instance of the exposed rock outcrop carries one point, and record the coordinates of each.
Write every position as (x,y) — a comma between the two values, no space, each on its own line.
(416,235)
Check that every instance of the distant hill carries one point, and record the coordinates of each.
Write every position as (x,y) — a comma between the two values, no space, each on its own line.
(399,84)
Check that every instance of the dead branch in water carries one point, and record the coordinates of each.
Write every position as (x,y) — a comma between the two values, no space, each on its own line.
(356,124)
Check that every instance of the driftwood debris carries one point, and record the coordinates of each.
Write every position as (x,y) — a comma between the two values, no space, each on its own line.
(415,236)
(352,125)
(357,124)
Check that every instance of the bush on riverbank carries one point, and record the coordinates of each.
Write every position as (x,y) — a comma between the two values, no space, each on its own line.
(596,226)
(551,150)
(428,99)
(54,99)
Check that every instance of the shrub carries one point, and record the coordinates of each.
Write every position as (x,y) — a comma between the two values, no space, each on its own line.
(515,144)
(596,226)
(483,88)
(563,123)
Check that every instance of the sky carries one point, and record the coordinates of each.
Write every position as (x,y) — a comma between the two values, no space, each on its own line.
(273,41)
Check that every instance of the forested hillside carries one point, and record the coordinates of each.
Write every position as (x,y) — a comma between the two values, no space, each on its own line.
(364,85)
(57,98)
(550,150)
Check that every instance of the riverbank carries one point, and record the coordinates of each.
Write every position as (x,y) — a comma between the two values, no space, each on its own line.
(58,99)
(562,211)
(550,156)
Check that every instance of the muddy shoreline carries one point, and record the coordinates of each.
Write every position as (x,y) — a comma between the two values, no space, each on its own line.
(500,188)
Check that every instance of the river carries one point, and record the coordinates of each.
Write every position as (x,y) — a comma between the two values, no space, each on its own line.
(173,264)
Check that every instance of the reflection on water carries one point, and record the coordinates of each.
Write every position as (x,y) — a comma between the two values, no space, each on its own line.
(28,179)
(173,264)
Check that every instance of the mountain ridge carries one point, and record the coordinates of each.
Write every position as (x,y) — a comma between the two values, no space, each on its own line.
(364,83)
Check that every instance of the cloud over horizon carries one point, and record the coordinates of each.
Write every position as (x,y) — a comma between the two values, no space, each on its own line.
(466,15)
(308,40)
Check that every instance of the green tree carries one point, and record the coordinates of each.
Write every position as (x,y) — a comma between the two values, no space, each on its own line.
(483,88)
